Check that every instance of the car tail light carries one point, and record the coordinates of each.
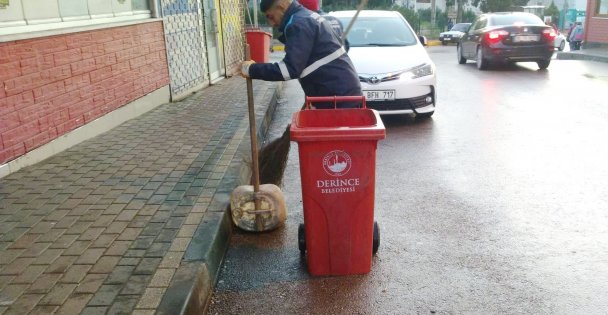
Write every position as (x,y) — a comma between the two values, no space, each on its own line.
(549,33)
(496,36)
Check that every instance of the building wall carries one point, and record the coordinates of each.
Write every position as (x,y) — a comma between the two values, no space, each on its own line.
(52,85)
(596,26)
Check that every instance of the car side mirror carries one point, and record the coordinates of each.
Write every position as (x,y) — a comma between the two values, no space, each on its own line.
(422,40)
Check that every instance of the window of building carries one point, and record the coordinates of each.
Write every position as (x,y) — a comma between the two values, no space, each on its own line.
(22,16)
(602,7)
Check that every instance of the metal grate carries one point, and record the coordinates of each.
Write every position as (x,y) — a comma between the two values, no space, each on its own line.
(185,38)
(233,19)
(183,22)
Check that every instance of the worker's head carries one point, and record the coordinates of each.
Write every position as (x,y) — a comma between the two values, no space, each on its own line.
(274,10)
(312,5)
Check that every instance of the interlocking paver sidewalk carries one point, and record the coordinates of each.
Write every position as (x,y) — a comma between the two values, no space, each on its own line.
(104,226)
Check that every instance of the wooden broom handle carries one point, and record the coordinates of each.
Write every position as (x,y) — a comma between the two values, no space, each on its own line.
(252,131)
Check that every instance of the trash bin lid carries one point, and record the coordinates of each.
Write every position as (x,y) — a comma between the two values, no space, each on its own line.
(337,124)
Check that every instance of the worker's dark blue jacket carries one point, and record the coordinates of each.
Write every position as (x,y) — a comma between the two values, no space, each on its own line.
(313,54)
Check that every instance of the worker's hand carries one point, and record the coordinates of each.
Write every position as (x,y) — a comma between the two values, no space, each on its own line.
(245,68)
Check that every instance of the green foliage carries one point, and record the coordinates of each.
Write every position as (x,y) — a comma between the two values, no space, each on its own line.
(499,5)
(410,15)
(468,16)
(328,7)
(465,16)
(339,5)
(249,17)
(520,2)
(420,21)
(553,12)
(496,5)
(441,19)
(379,3)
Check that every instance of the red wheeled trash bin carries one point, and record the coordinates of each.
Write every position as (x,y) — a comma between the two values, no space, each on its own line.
(259,43)
(337,149)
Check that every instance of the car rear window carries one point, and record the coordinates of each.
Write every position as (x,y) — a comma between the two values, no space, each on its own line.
(516,19)
(379,31)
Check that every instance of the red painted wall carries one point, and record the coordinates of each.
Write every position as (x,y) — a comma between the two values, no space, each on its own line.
(596,26)
(52,85)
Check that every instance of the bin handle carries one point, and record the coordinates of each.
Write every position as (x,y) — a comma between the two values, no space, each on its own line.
(335,100)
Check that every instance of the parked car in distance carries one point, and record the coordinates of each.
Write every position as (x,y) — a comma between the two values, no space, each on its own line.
(560,41)
(454,34)
(507,37)
(396,73)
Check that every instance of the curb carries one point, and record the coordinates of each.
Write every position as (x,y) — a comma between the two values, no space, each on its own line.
(581,56)
(192,286)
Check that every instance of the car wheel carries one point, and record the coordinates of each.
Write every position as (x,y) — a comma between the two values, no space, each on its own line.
(461,58)
(544,64)
(482,63)
(443,43)
(562,45)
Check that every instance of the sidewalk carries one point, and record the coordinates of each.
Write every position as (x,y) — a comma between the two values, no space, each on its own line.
(132,221)
(591,54)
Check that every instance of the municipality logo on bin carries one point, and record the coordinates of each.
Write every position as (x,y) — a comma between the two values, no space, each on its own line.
(337,163)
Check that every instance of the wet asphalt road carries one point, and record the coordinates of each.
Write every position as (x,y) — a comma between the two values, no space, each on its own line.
(497,204)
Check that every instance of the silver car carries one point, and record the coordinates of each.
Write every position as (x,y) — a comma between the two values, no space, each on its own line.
(454,34)
(396,73)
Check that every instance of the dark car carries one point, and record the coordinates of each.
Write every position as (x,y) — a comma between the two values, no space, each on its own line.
(507,37)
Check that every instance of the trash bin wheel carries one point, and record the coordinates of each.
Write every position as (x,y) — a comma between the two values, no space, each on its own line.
(376,242)
(301,239)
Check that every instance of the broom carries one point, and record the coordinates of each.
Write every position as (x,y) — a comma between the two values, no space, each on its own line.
(272,158)
(256,207)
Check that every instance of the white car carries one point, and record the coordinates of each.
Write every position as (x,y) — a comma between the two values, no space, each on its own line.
(396,73)
(454,34)
(560,41)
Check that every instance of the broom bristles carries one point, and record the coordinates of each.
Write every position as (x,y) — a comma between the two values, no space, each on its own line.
(273,159)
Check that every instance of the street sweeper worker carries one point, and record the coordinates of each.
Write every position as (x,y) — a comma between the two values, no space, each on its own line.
(313,54)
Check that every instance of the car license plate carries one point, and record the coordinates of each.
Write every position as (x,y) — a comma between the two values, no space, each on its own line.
(380,95)
(525,38)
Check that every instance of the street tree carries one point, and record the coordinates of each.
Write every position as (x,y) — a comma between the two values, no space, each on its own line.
(459,7)
(553,12)
(498,5)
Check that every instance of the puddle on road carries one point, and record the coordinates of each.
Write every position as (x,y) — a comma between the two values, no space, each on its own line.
(591,76)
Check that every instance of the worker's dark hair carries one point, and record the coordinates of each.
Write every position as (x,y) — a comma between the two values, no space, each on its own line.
(266,4)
